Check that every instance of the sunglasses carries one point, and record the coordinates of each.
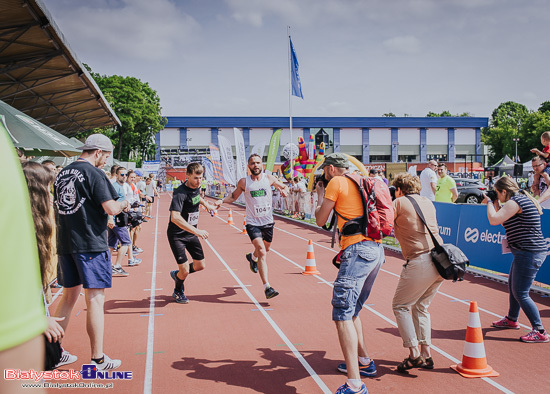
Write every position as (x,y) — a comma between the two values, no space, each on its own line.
(121,174)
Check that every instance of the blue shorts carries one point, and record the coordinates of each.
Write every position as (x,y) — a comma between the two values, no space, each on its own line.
(92,270)
(116,234)
(359,266)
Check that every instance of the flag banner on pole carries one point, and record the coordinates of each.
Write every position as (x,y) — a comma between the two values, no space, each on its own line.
(241,153)
(228,162)
(217,162)
(273,150)
(296,84)
(259,148)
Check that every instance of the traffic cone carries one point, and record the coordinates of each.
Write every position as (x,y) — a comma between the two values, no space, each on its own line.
(474,362)
(311,268)
(244,225)
(230,218)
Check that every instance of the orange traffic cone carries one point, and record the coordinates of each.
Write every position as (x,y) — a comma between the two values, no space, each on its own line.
(244,225)
(311,268)
(230,218)
(474,362)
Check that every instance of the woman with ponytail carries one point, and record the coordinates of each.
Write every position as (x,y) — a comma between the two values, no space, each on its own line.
(39,180)
(520,216)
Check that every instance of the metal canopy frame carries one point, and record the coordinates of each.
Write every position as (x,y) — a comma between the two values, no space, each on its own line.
(41,76)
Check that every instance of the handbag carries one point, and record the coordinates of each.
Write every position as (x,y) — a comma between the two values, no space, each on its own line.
(448,259)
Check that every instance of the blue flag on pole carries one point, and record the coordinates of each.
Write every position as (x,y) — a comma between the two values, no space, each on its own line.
(296,84)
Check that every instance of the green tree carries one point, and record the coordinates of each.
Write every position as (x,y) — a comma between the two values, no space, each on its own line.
(532,127)
(436,115)
(505,124)
(138,108)
(389,115)
(545,107)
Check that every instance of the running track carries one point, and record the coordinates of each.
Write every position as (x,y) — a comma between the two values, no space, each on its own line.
(230,339)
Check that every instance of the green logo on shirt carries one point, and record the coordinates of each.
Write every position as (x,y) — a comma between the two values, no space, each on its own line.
(258,193)
(196,199)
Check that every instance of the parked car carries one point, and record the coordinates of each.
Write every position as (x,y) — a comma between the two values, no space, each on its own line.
(470,191)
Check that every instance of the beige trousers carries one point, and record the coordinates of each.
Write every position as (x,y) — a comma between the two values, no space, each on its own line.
(415,291)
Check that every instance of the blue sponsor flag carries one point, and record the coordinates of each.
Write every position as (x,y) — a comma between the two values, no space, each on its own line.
(295,77)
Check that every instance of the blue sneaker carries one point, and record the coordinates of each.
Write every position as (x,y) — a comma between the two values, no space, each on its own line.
(173,276)
(368,371)
(180,297)
(345,389)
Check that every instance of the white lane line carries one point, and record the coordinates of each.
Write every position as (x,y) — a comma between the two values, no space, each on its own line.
(435,348)
(148,382)
(390,321)
(396,275)
(281,334)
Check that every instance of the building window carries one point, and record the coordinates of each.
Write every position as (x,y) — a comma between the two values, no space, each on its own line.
(406,158)
(380,158)
(437,157)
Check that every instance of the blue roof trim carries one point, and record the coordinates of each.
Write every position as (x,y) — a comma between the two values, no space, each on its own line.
(299,122)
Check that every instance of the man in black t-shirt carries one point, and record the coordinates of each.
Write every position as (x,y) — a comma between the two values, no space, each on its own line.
(84,198)
(183,233)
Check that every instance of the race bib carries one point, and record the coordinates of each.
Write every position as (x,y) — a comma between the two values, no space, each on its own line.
(261,210)
(193,218)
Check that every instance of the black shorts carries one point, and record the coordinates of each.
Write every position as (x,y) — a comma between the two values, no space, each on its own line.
(180,243)
(265,232)
(152,199)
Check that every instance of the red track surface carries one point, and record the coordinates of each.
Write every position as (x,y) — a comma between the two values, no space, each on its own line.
(230,339)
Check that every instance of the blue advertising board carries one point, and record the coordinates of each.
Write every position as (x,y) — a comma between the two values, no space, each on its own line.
(467,227)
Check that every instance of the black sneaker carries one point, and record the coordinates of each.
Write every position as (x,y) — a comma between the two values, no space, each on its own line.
(180,297)
(173,276)
(270,292)
(253,264)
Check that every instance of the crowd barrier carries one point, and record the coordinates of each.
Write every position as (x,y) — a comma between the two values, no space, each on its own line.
(467,227)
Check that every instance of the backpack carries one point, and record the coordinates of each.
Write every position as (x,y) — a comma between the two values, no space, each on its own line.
(378,214)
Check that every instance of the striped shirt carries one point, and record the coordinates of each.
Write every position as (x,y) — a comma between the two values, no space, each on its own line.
(523,230)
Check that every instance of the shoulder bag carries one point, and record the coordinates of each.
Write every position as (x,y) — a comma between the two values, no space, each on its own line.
(448,259)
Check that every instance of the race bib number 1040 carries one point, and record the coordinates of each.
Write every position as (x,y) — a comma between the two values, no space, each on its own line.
(261,210)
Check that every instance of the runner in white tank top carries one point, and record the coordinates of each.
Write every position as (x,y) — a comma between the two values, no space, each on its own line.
(259,215)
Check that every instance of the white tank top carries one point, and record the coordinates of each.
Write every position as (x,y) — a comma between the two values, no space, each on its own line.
(258,198)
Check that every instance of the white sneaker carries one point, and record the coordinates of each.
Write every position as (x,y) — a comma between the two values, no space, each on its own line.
(66,358)
(107,363)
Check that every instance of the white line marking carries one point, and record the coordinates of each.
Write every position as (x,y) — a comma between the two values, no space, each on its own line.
(295,351)
(148,382)
(435,348)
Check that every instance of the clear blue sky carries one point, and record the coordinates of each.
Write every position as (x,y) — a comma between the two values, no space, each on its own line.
(357,57)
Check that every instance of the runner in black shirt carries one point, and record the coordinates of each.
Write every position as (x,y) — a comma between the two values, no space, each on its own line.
(183,233)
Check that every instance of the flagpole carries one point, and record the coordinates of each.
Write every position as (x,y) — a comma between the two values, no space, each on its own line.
(290,100)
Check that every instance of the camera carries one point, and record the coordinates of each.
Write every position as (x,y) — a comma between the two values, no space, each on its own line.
(392,192)
(492,195)
(135,218)
(322,179)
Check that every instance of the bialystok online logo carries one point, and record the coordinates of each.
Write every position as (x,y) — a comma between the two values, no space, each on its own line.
(473,235)
(88,372)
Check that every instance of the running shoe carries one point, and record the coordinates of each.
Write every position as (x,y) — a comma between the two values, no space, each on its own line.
(173,276)
(133,262)
(107,364)
(270,292)
(368,370)
(345,389)
(535,337)
(180,297)
(118,271)
(253,264)
(66,358)
(137,250)
(506,323)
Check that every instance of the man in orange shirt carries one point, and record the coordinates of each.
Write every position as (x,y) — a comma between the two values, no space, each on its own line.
(360,260)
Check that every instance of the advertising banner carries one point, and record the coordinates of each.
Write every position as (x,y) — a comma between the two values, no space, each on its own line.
(228,163)
(273,149)
(241,153)
(467,227)
(216,162)
(152,167)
